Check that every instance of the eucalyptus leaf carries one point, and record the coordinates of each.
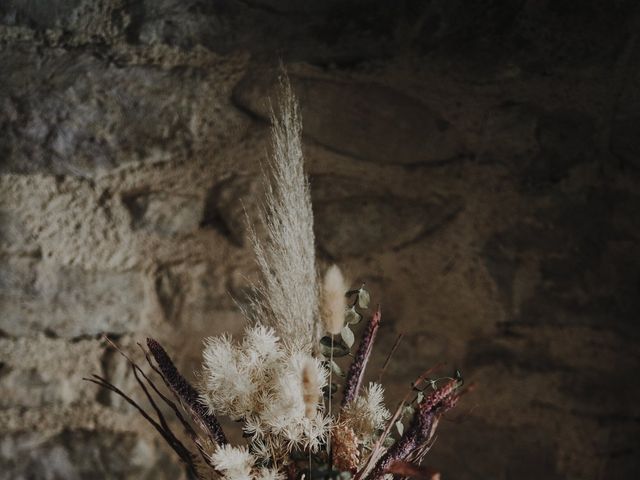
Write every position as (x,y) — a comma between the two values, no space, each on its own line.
(420,397)
(400,428)
(339,348)
(336,368)
(363,298)
(351,316)
(347,336)
(326,391)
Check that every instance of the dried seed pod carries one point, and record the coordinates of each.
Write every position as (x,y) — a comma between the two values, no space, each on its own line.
(334,303)
(310,389)
(346,454)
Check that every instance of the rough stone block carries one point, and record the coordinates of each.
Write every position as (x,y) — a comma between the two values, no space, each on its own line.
(68,301)
(368,121)
(83,454)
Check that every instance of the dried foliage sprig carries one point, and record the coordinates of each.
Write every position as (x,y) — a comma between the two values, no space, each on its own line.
(273,380)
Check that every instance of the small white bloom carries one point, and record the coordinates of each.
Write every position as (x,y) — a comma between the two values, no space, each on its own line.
(367,414)
(269,474)
(234,462)
(334,302)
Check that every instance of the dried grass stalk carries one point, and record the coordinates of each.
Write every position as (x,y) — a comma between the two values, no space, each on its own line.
(287,297)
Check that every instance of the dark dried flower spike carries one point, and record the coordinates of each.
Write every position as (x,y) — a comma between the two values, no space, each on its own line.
(187,395)
(356,371)
(410,440)
(436,398)
(415,439)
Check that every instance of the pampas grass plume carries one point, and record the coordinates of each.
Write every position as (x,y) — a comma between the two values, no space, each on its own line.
(334,301)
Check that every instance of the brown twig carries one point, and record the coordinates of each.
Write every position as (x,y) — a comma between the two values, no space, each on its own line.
(176,445)
(393,350)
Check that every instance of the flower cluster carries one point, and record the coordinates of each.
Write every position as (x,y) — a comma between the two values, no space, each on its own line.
(261,382)
(301,416)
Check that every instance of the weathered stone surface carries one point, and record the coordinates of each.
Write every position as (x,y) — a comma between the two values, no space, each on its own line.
(509,130)
(42,372)
(233,203)
(129,144)
(68,301)
(164,214)
(368,121)
(364,225)
(527,453)
(82,115)
(82,454)
(565,139)
(567,246)
(98,19)
(625,133)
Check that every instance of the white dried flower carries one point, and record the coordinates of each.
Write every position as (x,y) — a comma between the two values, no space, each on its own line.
(367,414)
(225,383)
(234,462)
(286,413)
(273,389)
(260,344)
(334,302)
(236,377)
(269,474)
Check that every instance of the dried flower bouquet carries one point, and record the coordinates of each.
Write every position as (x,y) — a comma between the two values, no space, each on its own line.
(301,415)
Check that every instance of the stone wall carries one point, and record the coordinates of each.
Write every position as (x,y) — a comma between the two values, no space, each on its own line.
(476,163)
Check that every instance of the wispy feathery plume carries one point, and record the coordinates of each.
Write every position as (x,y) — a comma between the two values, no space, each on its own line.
(334,300)
(287,295)
(357,369)
(185,392)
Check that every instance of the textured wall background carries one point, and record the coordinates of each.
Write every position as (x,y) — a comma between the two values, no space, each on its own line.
(477,163)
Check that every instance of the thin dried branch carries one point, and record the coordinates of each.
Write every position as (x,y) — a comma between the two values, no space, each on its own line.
(388,359)
(177,446)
